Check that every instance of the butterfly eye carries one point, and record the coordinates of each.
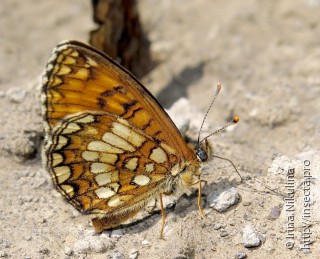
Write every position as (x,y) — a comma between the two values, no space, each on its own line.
(202,155)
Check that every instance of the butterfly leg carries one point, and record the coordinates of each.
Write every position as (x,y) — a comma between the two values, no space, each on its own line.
(200,201)
(200,198)
(163,214)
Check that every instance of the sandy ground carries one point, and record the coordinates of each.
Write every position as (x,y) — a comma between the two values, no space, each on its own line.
(267,56)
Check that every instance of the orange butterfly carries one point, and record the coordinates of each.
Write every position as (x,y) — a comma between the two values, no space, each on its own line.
(110,147)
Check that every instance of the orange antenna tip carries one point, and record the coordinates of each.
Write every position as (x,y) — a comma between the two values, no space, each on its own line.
(236,119)
(219,86)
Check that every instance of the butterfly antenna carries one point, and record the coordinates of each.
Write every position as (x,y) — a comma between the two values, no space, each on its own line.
(235,121)
(205,116)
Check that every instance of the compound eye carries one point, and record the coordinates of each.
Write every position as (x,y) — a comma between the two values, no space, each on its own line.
(202,155)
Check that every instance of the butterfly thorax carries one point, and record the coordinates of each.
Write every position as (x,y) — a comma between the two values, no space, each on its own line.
(191,170)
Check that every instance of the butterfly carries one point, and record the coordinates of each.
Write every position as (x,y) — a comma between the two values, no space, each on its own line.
(109,146)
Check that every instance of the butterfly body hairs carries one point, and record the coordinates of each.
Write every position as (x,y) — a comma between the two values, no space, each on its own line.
(109,145)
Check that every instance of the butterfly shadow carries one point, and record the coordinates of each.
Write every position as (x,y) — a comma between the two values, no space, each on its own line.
(177,87)
(185,204)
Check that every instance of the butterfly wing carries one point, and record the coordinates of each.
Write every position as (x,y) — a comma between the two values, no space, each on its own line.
(80,78)
(104,165)
(110,146)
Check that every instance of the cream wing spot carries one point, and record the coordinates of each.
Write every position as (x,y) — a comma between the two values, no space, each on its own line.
(60,59)
(81,74)
(62,173)
(119,200)
(68,189)
(149,167)
(115,201)
(56,81)
(103,147)
(64,70)
(86,119)
(104,192)
(105,178)
(100,168)
(61,142)
(90,156)
(94,156)
(69,61)
(141,180)
(114,186)
(108,158)
(132,164)
(118,142)
(125,132)
(74,54)
(167,148)
(91,62)
(71,128)
(158,155)
(56,159)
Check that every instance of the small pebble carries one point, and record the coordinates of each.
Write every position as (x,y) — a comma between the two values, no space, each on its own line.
(275,213)
(240,255)
(133,254)
(246,203)
(118,255)
(16,95)
(224,233)
(145,242)
(270,249)
(98,246)
(262,238)
(68,251)
(92,244)
(222,201)
(116,233)
(44,251)
(250,237)
(82,246)
(179,256)
(217,226)
(23,149)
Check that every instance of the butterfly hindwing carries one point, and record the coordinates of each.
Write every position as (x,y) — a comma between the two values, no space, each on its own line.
(103,165)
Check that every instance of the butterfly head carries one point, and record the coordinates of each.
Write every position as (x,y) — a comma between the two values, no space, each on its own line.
(204,151)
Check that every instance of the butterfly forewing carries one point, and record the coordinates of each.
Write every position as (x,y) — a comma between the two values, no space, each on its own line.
(80,78)
(110,146)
